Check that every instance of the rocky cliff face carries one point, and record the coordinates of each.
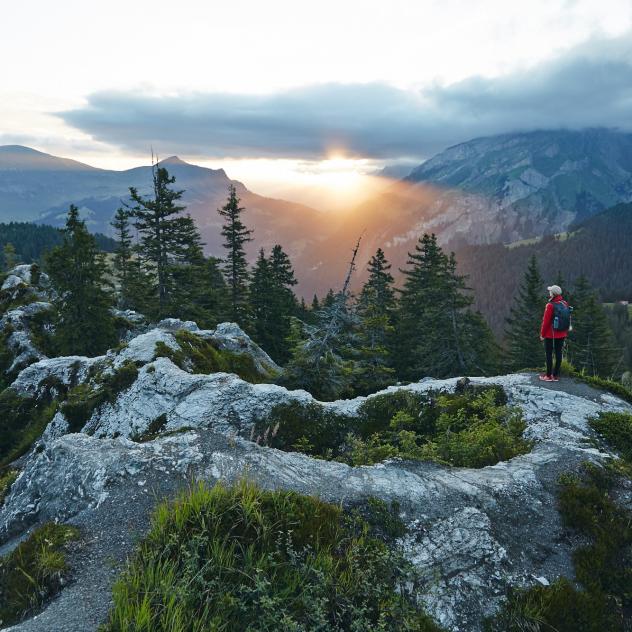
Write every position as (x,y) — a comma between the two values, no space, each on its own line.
(471,533)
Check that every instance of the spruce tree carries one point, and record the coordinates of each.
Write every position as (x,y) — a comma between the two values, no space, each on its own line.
(261,292)
(437,334)
(591,345)
(9,258)
(167,238)
(236,235)
(522,334)
(123,261)
(375,307)
(78,271)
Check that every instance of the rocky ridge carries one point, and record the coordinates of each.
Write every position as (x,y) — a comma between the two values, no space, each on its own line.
(471,533)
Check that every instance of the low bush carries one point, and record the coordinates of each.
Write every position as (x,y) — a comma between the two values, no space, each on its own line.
(33,572)
(616,429)
(241,558)
(472,427)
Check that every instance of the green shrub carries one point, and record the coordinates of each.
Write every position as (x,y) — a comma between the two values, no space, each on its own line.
(240,558)
(40,324)
(7,478)
(33,572)
(84,399)
(616,429)
(603,567)
(470,428)
(473,427)
(22,421)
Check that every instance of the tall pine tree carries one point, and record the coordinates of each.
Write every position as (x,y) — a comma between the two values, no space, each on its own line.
(236,235)
(591,344)
(77,270)
(522,334)
(437,333)
(375,310)
(167,238)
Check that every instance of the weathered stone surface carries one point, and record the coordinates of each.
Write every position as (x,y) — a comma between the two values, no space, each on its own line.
(471,532)
(221,401)
(19,340)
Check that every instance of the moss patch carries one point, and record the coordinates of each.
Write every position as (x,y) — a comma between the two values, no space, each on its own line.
(84,399)
(242,558)
(33,572)
(7,478)
(198,355)
(472,427)
(616,430)
(22,421)
(155,428)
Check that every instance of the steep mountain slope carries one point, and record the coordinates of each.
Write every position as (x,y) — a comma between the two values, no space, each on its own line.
(36,186)
(486,191)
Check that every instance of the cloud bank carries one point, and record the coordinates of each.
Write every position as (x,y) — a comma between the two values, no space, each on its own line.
(588,86)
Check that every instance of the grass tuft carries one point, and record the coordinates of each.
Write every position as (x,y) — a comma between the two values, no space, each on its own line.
(241,558)
(34,571)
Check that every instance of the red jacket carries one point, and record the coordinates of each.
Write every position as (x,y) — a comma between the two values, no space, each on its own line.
(547,331)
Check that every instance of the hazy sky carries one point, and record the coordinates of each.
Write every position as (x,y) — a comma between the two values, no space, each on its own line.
(271,90)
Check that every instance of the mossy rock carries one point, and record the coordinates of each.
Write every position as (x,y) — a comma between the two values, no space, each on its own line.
(199,355)
(22,421)
(84,399)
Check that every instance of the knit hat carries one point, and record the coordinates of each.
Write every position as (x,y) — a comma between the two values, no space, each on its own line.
(556,290)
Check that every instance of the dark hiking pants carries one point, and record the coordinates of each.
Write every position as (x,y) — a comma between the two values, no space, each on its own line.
(550,345)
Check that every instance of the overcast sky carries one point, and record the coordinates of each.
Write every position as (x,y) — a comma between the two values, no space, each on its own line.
(271,90)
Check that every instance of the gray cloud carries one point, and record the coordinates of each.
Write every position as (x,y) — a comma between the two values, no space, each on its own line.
(589,86)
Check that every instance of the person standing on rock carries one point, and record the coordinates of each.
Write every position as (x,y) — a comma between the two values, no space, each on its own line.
(556,323)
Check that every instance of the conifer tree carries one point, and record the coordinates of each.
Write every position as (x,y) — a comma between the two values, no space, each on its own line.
(437,333)
(236,235)
(167,238)
(375,307)
(9,258)
(261,291)
(321,359)
(78,272)
(123,262)
(591,345)
(522,334)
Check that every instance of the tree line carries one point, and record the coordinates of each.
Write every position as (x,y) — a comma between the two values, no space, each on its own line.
(340,345)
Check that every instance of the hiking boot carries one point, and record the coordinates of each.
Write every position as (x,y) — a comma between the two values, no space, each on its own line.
(546,378)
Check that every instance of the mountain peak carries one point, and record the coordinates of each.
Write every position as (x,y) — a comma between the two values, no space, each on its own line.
(173,160)
(14,157)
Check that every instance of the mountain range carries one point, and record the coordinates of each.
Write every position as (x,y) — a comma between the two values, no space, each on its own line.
(494,190)
(38,187)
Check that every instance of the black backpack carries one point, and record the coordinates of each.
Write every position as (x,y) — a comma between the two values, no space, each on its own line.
(561,316)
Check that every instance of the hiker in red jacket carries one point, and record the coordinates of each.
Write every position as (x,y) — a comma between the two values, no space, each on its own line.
(555,328)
